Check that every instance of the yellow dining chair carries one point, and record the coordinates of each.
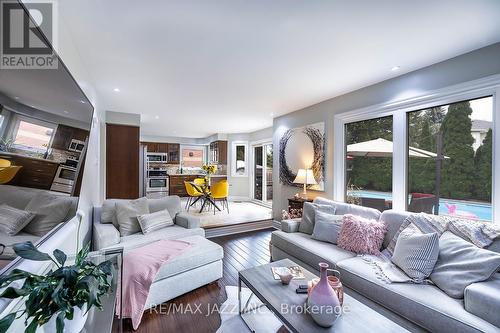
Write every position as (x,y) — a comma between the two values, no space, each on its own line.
(8,173)
(199,181)
(219,192)
(192,193)
(4,163)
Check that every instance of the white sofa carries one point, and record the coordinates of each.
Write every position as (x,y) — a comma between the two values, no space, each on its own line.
(19,197)
(200,265)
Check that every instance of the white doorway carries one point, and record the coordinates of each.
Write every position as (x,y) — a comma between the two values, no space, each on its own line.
(261,180)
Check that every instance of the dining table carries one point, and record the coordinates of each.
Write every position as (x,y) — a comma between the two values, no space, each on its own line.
(205,196)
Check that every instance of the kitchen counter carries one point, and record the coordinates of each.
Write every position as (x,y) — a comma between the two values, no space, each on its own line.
(176,182)
(192,174)
(5,154)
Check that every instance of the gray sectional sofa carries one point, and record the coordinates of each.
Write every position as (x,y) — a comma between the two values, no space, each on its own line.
(200,265)
(422,304)
(19,197)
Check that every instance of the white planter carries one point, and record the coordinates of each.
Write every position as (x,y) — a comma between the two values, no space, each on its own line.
(70,326)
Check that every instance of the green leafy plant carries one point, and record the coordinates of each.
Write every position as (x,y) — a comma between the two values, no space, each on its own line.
(6,144)
(57,292)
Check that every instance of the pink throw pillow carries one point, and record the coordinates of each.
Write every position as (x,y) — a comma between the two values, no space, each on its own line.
(361,235)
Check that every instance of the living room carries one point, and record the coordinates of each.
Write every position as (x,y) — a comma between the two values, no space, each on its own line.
(264,166)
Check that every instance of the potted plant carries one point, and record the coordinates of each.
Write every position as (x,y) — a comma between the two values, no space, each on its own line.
(60,300)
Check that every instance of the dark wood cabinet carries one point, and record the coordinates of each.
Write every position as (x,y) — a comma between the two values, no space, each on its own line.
(176,184)
(174,153)
(35,173)
(173,150)
(218,152)
(64,134)
(122,161)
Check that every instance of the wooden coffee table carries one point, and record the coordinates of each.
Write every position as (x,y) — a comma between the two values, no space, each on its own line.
(275,296)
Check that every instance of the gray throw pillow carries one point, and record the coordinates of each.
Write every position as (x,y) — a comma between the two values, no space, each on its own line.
(50,210)
(127,213)
(306,225)
(13,220)
(461,264)
(154,221)
(327,227)
(416,253)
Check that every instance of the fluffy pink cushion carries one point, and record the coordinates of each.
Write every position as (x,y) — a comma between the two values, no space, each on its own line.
(361,235)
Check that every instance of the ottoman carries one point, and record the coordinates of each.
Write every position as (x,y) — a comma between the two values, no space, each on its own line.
(198,266)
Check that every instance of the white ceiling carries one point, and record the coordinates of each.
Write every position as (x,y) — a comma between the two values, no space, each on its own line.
(228,66)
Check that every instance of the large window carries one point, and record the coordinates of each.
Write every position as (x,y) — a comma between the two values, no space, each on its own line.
(369,162)
(33,136)
(192,157)
(450,159)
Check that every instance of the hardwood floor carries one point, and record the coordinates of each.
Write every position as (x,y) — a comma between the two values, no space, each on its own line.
(241,251)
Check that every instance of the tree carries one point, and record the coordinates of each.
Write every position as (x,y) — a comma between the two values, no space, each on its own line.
(482,162)
(458,170)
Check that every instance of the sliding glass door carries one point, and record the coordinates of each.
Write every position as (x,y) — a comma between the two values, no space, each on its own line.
(262,180)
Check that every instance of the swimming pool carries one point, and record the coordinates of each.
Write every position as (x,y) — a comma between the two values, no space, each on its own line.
(482,211)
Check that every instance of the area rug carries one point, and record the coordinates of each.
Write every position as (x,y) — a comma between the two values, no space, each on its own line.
(262,320)
(239,212)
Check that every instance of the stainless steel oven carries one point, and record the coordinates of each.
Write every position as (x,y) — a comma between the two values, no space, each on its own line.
(64,179)
(157,184)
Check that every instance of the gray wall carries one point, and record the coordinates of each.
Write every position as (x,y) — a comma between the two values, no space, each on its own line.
(470,66)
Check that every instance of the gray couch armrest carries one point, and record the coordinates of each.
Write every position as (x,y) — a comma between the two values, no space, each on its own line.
(483,300)
(291,225)
(105,235)
(187,220)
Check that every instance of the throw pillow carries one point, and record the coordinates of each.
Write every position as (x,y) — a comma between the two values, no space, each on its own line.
(126,215)
(461,264)
(154,221)
(306,225)
(327,227)
(12,220)
(50,210)
(416,253)
(361,235)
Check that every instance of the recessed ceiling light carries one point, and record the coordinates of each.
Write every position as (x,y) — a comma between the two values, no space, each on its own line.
(16,97)
(395,68)
(65,111)
(116,90)
(157,117)
(82,101)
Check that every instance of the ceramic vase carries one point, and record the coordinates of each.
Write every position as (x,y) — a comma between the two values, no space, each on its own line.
(70,326)
(323,302)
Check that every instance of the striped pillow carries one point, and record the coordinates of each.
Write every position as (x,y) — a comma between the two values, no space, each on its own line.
(13,220)
(155,221)
(416,253)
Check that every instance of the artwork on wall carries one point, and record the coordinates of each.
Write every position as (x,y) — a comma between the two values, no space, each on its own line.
(303,148)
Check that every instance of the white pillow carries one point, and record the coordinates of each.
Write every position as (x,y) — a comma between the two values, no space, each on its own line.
(155,221)
(127,213)
(12,220)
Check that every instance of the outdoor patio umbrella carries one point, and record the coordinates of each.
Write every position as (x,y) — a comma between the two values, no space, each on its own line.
(384,148)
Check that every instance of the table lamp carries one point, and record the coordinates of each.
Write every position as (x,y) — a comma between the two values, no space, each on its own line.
(306,177)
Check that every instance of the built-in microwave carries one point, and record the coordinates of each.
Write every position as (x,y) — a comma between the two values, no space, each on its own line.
(156,157)
(76,145)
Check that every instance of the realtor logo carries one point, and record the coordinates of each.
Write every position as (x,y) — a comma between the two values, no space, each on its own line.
(26,39)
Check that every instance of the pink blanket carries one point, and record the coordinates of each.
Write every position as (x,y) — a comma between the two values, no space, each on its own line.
(139,271)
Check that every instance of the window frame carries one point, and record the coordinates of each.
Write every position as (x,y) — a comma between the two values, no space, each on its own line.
(17,122)
(203,148)
(234,145)
(398,108)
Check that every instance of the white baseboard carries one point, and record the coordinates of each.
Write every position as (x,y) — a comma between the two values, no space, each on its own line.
(238,198)
(238,228)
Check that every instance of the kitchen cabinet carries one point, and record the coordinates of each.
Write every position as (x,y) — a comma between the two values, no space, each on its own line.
(218,152)
(174,153)
(35,173)
(176,184)
(156,147)
(64,134)
(122,161)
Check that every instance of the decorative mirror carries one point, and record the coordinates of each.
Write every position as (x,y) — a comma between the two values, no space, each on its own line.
(303,148)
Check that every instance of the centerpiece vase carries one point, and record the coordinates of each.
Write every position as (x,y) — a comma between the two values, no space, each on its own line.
(323,302)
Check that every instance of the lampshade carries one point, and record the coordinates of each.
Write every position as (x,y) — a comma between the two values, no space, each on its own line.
(305,176)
